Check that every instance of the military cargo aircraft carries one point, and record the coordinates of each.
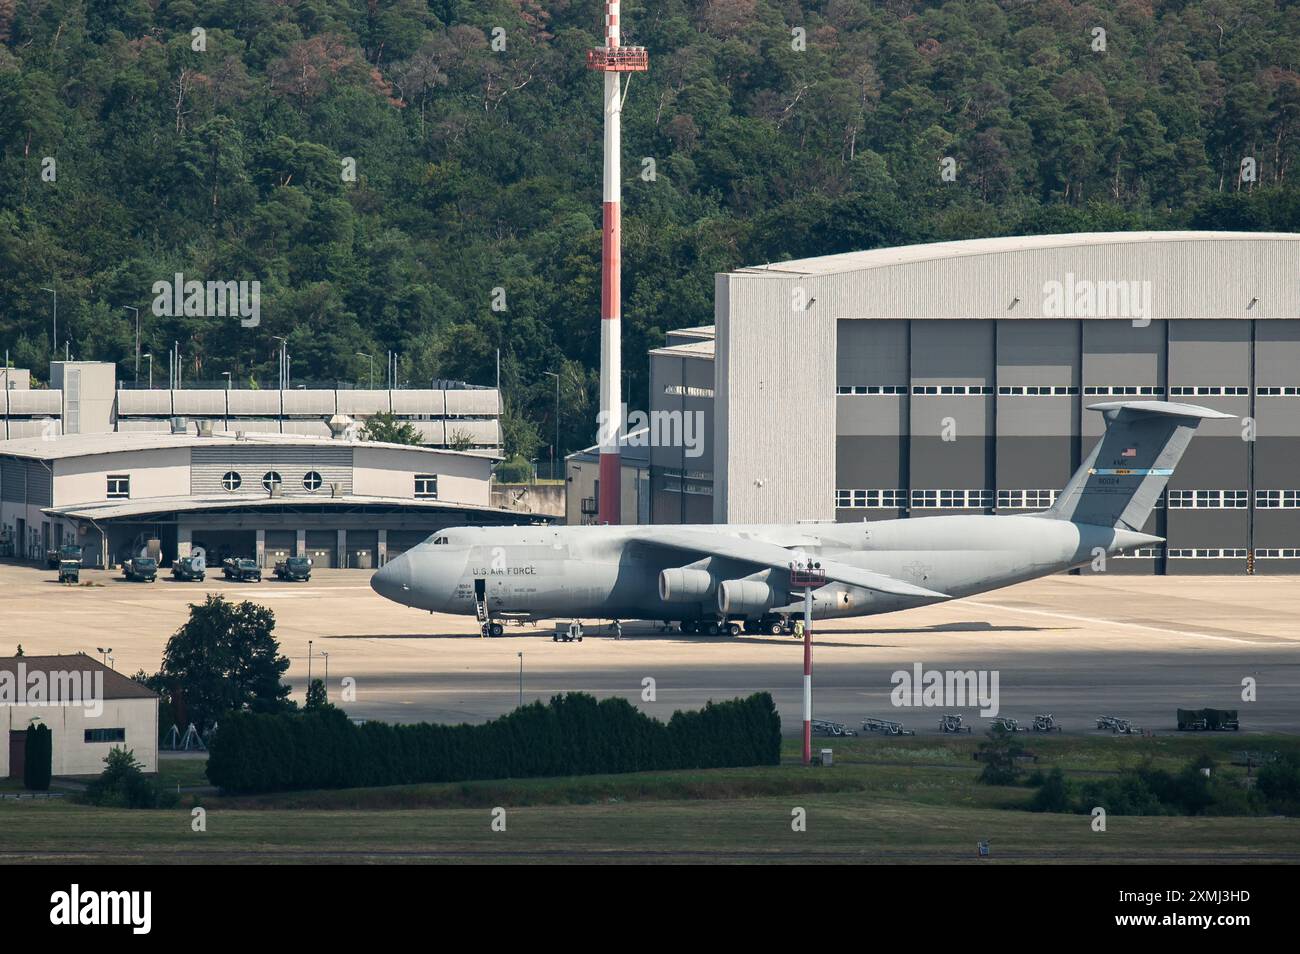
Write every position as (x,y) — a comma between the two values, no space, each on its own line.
(728,578)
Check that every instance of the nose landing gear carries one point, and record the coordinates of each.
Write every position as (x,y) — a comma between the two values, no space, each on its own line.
(491,629)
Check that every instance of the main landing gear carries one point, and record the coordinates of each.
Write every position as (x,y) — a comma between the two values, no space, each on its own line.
(769,625)
(491,629)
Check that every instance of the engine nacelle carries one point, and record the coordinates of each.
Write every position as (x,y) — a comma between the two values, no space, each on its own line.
(684,585)
(747,597)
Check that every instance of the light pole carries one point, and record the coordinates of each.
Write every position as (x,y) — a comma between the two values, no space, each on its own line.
(309,642)
(150,357)
(104,652)
(137,341)
(521,680)
(327,674)
(54,337)
(362,354)
(555,448)
(226,374)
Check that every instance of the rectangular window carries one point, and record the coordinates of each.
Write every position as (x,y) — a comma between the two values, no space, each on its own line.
(106,735)
(119,486)
(866,499)
(426,485)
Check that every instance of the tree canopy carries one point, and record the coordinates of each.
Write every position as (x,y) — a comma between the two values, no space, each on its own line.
(424,177)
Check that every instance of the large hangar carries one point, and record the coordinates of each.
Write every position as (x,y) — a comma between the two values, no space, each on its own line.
(955,376)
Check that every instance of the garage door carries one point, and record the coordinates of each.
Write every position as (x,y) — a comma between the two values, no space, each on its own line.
(220,545)
(279,546)
(363,549)
(321,547)
(399,541)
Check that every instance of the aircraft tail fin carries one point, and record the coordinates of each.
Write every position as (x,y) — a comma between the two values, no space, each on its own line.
(1121,480)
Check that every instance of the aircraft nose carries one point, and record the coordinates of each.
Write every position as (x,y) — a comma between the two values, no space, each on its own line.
(393,580)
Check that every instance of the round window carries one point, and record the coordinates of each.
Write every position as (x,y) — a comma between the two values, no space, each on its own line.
(311,480)
(231,480)
(270,480)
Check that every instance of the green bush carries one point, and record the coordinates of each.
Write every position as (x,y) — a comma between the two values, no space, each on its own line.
(1054,794)
(1278,784)
(39,758)
(573,734)
(516,470)
(122,784)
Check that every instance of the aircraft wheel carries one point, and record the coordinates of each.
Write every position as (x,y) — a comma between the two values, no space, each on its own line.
(733,629)
(775,628)
(712,629)
(497,629)
(684,628)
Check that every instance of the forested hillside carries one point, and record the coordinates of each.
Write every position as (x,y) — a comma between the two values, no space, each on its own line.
(479,168)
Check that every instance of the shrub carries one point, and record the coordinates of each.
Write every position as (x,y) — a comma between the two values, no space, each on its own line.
(123,785)
(39,758)
(573,734)
(1054,794)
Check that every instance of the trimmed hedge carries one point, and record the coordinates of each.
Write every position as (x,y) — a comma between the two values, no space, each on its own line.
(573,734)
(39,758)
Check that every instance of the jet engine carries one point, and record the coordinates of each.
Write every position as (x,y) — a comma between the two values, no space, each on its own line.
(747,597)
(684,585)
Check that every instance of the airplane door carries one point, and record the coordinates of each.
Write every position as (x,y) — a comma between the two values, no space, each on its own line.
(480,590)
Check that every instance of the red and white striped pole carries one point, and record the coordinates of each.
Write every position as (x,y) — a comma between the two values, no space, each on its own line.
(612,60)
(611,260)
(807,675)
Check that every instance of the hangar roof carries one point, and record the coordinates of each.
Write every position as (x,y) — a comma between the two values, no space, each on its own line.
(124,509)
(693,349)
(86,445)
(908,254)
(116,685)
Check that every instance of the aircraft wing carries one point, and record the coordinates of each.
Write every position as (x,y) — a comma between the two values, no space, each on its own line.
(763,554)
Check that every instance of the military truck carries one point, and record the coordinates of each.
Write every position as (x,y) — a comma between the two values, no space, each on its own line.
(54,558)
(1208,720)
(190,568)
(140,569)
(293,569)
(242,570)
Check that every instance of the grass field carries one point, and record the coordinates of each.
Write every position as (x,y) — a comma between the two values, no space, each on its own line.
(884,800)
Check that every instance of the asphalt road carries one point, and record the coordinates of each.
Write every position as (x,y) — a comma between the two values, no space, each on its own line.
(1078,647)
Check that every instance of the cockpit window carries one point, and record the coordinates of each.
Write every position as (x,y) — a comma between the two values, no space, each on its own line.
(438,540)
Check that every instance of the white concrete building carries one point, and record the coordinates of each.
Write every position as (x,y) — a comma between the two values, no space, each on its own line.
(89,708)
(344,503)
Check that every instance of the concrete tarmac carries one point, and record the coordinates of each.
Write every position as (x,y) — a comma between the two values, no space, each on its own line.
(1078,647)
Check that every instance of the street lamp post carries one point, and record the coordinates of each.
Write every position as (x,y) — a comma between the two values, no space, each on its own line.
(521,680)
(226,374)
(327,674)
(150,357)
(362,354)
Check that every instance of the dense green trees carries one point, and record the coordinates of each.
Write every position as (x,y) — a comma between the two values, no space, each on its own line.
(380,168)
(571,735)
(225,658)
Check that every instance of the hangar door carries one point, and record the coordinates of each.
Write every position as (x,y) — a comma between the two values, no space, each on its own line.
(321,548)
(279,546)
(399,541)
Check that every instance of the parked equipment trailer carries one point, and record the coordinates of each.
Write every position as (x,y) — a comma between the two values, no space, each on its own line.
(1116,725)
(1046,723)
(822,727)
(885,726)
(953,723)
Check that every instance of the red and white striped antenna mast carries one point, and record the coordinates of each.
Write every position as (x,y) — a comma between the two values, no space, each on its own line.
(612,59)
